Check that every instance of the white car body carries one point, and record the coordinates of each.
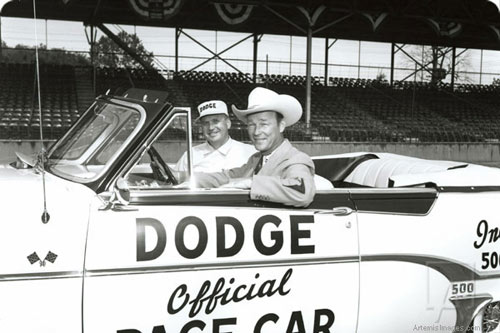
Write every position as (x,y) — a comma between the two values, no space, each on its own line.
(418,250)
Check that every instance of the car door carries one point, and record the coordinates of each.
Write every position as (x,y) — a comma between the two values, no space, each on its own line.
(175,259)
(214,261)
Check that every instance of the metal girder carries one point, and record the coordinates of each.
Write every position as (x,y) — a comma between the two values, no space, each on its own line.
(285,19)
(177,35)
(421,66)
(91,40)
(454,55)
(328,25)
(216,55)
(327,48)
(1,37)
(256,40)
(124,47)
(96,10)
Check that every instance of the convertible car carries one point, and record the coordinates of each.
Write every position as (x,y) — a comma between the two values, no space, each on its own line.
(100,235)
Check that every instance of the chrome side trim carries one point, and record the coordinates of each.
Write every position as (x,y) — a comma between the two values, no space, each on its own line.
(454,271)
(41,276)
(217,266)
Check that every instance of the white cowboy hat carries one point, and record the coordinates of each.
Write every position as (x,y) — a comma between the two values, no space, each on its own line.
(262,99)
(212,107)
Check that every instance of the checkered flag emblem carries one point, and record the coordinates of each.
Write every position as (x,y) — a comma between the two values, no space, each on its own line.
(50,257)
(33,258)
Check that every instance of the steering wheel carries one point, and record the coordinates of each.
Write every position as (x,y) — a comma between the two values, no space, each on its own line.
(161,171)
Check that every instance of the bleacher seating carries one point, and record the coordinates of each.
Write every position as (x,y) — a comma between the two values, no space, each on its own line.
(117,80)
(19,107)
(345,110)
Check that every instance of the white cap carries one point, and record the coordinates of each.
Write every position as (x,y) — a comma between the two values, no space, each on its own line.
(212,107)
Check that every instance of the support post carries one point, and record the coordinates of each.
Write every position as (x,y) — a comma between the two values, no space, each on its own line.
(255,55)
(216,51)
(93,30)
(454,56)
(392,64)
(481,68)
(1,37)
(177,34)
(326,61)
(91,40)
(267,64)
(359,59)
(308,76)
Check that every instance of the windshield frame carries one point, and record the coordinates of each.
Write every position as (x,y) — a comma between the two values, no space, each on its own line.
(160,127)
(94,147)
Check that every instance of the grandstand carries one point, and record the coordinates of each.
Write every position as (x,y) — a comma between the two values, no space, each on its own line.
(338,111)
(345,110)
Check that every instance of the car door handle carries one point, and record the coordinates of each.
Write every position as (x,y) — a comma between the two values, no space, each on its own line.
(337,211)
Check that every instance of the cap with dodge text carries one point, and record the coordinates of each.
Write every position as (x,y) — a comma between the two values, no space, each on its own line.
(212,107)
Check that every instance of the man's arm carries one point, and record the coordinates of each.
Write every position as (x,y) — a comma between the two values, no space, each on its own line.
(294,188)
(181,164)
(216,179)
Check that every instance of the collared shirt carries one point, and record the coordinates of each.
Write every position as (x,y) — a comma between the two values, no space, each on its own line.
(230,155)
(266,158)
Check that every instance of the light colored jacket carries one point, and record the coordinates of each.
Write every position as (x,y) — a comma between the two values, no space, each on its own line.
(287,177)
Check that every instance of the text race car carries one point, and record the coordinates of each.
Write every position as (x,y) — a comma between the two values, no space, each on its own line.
(389,244)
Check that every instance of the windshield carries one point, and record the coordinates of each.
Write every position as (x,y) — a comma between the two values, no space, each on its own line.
(91,146)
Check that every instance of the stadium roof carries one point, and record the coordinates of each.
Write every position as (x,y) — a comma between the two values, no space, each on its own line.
(460,23)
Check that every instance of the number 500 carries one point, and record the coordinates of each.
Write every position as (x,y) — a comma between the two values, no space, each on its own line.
(462,288)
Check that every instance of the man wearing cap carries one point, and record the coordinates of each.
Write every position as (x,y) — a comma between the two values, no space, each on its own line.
(278,172)
(219,151)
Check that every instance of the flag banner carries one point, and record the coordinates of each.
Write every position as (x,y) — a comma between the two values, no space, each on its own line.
(156,9)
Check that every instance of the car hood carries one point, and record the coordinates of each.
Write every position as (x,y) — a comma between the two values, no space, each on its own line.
(22,230)
(23,189)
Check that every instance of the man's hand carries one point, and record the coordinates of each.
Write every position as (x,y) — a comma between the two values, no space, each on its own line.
(240,183)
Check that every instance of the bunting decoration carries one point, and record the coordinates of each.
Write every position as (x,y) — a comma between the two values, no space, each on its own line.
(156,9)
(233,14)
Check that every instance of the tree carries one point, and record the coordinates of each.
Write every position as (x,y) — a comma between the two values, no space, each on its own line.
(439,63)
(26,54)
(108,53)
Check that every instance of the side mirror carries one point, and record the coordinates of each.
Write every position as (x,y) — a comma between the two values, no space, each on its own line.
(122,191)
(119,199)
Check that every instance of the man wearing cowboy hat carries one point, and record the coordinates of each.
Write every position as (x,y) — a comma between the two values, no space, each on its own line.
(219,151)
(278,172)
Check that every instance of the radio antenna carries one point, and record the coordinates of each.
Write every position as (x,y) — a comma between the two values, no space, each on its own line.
(42,155)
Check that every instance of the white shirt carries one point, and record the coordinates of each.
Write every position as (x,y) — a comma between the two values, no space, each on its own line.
(230,155)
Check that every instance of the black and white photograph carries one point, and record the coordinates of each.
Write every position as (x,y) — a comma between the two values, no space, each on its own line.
(245,166)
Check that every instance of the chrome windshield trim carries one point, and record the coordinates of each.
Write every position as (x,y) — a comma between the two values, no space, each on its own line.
(135,158)
(105,168)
